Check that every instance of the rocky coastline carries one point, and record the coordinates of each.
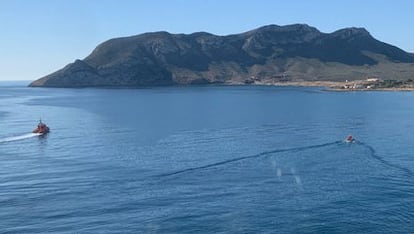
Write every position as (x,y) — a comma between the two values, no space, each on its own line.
(337,86)
(350,86)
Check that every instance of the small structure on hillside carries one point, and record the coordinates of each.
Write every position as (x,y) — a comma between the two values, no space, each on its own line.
(372,79)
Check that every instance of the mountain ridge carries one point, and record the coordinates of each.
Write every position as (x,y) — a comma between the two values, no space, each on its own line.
(269,53)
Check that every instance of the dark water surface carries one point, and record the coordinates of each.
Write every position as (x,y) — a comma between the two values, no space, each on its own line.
(206,159)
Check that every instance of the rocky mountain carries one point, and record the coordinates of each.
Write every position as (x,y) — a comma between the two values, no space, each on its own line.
(267,54)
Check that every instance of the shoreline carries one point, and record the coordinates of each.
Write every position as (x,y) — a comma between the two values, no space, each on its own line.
(334,86)
(337,86)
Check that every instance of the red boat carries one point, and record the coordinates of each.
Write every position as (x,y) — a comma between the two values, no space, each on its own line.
(349,139)
(41,128)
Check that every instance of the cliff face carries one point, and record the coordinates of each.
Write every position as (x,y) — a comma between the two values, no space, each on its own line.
(270,53)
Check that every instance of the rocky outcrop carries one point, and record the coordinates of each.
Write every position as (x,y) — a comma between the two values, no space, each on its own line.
(270,53)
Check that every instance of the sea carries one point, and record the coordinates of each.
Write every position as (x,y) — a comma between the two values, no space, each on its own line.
(206,159)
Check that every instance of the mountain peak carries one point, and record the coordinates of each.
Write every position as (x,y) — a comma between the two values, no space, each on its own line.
(275,34)
(286,28)
(351,32)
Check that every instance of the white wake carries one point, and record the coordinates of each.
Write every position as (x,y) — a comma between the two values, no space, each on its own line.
(18,138)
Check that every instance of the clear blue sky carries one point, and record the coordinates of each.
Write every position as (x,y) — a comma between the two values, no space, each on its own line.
(39,37)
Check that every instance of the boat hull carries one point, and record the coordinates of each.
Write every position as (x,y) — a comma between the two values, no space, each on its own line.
(41,131)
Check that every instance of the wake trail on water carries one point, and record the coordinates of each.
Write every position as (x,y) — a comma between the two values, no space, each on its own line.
(20,137)
(374,155)
(295,149)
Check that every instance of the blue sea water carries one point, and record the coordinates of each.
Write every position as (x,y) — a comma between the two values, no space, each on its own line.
(240,159)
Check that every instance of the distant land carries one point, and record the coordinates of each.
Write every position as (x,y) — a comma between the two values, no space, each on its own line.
(271,54)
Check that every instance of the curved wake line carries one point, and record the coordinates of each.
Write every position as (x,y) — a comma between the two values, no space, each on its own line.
(295,149)
(251,156)
(18,138)
(383,161)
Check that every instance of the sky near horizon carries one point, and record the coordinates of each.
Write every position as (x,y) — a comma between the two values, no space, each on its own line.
(40,37)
